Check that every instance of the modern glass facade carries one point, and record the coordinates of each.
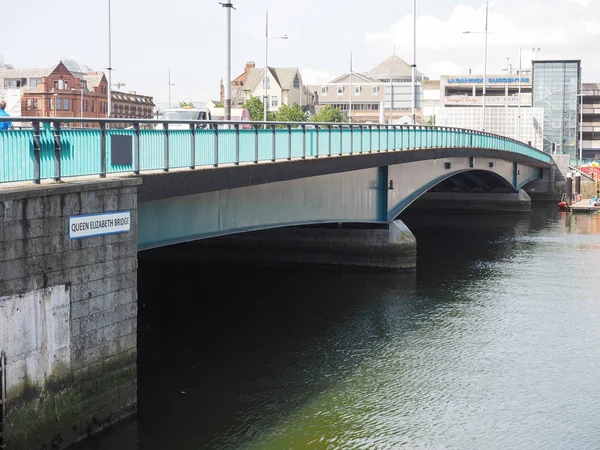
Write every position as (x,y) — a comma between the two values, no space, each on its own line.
(556,87)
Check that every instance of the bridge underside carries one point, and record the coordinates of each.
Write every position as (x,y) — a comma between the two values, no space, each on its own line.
(369,195)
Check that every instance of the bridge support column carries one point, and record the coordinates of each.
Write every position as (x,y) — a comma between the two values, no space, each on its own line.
(379,247)
(68,309)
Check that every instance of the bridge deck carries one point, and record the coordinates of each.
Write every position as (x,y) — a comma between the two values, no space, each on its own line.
(48,150)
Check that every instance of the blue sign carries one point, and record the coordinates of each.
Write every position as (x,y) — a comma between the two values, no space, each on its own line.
(507,80)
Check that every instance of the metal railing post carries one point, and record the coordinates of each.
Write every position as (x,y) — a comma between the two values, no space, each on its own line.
(57,149)
(274,143)
(303,141)
(37,149)
(237,143)
(351,139)
(329,137)
(166,148)
(341,140)
(102,150)
(378,138)
(362,141)
(216,147)
(192,146)
(370,138)
(394,131)
(289,127)
(136,148)
(318,130)
(255,144)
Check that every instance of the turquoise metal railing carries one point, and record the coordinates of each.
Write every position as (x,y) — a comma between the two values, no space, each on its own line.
(49,150)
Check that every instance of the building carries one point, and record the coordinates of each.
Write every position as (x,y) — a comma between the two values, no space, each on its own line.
(65,94)
(556,86)
(590,126)
(383,93)
(71,89)
(126,105)
(525,125)
(508,106)
(284,86)
(431,100)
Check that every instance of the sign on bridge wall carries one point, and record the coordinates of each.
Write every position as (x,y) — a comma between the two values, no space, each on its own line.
(98,224)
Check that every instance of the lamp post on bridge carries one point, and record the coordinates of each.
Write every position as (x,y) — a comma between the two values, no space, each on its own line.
(484,60)
(266,74)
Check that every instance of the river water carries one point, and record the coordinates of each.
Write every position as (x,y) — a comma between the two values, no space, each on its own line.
(493,344)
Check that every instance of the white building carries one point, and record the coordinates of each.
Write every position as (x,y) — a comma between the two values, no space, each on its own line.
(502,121)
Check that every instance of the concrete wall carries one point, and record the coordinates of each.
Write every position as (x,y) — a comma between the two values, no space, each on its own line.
(68,313)
(387,247)
(473,201)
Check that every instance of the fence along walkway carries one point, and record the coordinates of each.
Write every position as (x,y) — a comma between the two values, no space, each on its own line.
(51,149)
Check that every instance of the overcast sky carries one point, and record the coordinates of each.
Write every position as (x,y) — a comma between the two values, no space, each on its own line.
(188,36)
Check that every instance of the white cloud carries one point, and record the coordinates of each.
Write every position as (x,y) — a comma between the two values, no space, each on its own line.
(581,2)
(591,28)
(435,69)
(312,76)
(448,33)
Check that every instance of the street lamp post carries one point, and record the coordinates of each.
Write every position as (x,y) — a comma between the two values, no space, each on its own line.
(170,84)
(414,68)
(485,52)
(109,68)
(227,97)
(266,76)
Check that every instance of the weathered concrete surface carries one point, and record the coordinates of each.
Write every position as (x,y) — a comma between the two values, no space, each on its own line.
(388,247)
(68,313)
(473,201)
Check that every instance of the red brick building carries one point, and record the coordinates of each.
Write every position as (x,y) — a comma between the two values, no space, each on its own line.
(62,94)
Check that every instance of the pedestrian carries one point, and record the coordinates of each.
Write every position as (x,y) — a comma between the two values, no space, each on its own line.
(4,125)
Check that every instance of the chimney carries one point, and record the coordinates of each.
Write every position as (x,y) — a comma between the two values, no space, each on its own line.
(249,65)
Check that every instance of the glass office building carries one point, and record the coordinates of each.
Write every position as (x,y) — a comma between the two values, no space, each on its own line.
(556,87)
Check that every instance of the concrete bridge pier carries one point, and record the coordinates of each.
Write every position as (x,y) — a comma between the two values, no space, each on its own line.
(513,202)
(68,309)
(390,247)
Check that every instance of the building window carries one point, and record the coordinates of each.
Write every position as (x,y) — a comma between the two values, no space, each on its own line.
(323,90)
(66,104)
(33,82)
(356,90)
(35,104)
(340,90)
(375,90)
(274,101)
(296,82)
(92,106)
(85,105)
(66,85)
(58,104)
(61,84)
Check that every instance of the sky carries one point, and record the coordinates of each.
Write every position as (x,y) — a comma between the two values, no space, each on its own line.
(149,37)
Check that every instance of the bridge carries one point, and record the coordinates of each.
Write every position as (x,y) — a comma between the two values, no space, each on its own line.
(77,203)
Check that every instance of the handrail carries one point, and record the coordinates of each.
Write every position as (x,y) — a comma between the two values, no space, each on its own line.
(52,149)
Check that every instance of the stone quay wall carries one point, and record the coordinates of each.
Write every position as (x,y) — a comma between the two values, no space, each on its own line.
(68,313)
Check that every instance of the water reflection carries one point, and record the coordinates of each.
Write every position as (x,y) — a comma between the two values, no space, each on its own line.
(492,344)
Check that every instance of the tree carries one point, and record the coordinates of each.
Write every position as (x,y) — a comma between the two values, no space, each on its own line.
(290,114)
(184,104)
(255,108)
(328,114)
(431,120)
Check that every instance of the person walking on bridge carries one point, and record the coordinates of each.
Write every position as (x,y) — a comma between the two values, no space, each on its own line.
(4,125)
